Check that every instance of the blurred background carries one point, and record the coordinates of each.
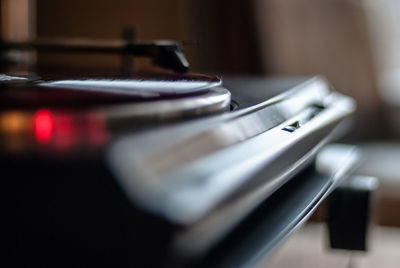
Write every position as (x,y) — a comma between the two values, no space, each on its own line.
(353,43)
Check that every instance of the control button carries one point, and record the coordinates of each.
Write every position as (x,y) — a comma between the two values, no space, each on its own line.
(292,127)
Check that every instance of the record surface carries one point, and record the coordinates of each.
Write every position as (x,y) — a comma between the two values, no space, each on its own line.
(74,113)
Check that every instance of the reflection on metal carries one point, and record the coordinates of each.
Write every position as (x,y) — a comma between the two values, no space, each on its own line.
(14,122)
(135,87)
(216,100)
(8,78)
(184,172)
(14,128)
(51,131)
(333,157)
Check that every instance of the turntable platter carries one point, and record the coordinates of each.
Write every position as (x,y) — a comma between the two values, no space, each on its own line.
(139,87)
(147,92)
(119,104)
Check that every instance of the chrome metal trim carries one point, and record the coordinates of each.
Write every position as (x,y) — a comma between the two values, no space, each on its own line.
(183,172)
(217,100)
(202,235)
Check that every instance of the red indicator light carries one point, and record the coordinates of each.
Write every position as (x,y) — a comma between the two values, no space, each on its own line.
(43,125)
(65,135)
(97,131)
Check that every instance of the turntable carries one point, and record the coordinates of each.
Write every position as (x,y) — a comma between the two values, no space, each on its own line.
(167,164)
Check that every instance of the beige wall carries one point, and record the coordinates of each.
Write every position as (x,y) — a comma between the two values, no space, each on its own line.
(18,19)
(330,37)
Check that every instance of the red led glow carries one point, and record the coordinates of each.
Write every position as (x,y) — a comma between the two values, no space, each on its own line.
(97,133)
(62,131)
(66,135)
(43,126)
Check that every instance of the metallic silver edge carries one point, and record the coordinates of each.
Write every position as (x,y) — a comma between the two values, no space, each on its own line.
(150,188)
(214,101)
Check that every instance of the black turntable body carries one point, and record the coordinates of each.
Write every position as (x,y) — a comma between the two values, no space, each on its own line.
(160,169)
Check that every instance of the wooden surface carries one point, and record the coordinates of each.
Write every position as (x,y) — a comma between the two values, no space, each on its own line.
(308,248)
